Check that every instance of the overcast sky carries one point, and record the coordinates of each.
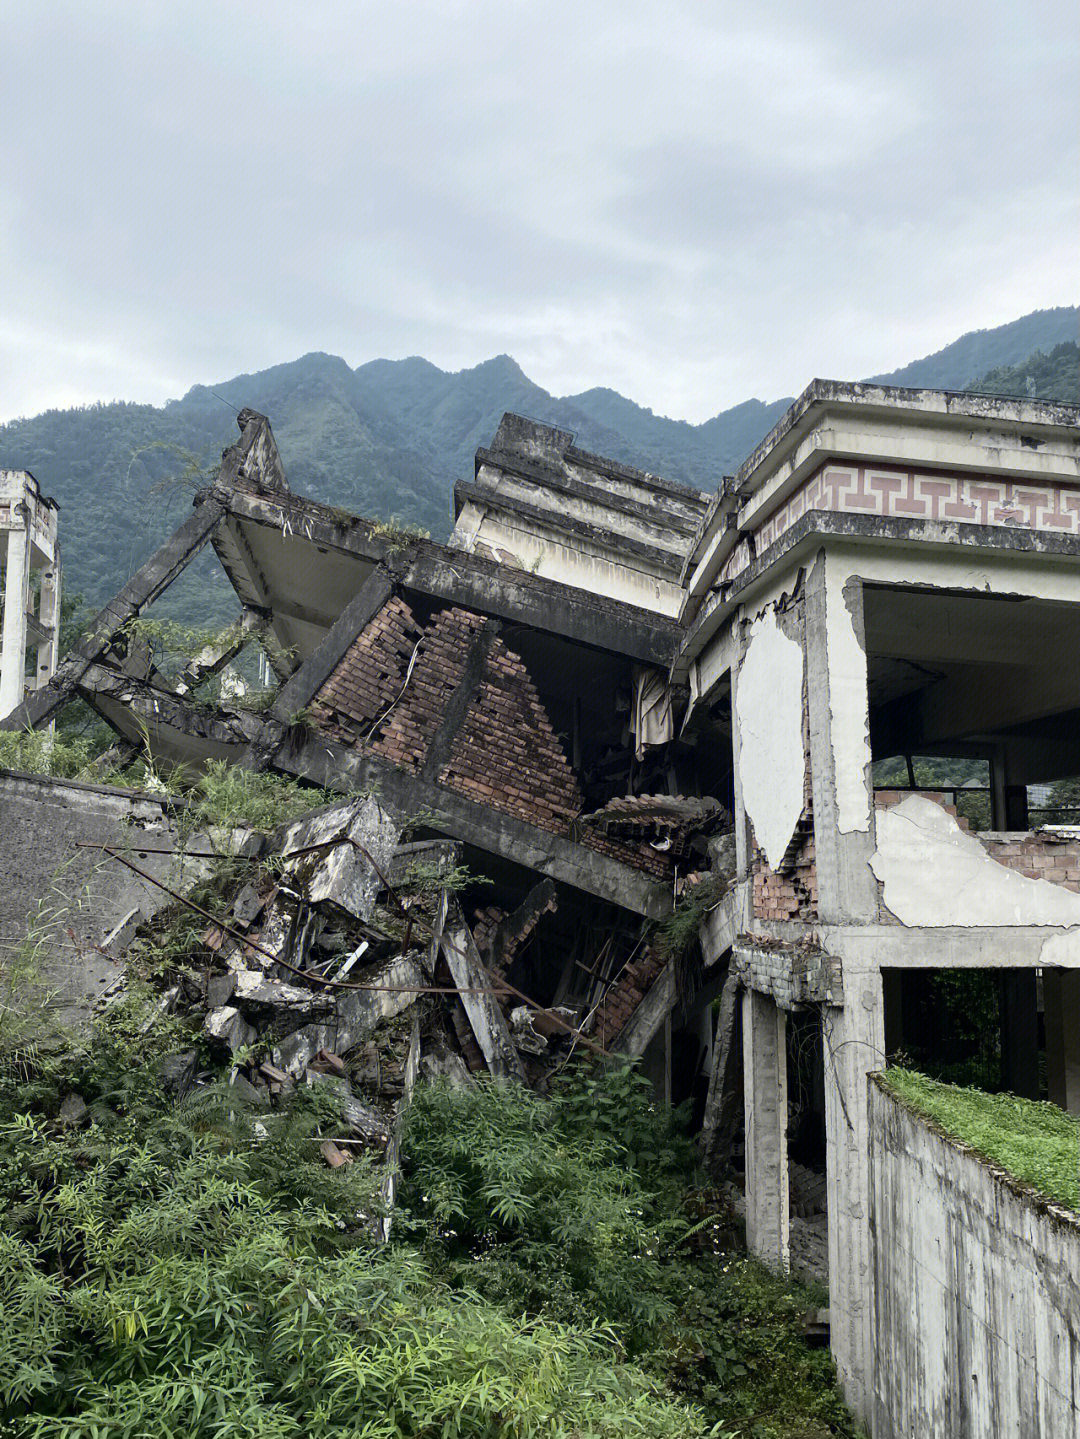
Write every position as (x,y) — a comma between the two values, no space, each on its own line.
(693,203)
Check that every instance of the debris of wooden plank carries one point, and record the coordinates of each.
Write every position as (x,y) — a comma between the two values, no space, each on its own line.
(486,1019)
(334,1156)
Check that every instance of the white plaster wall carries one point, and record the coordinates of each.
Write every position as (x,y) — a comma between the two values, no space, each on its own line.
(768,713)
(935,874)
(848,703)
(546,554)
(977,1294)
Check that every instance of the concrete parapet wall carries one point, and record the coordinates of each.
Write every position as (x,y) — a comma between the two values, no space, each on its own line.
(977,1291)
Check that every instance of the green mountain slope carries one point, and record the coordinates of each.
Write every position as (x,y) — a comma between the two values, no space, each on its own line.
(390,439)
(957,365)
(1053,376)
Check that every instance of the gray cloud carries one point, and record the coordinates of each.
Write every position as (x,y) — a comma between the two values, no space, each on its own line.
(689,202)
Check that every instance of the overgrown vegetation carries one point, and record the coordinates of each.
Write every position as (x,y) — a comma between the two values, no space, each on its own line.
(679,931)
(222,796)
(1036,1142)
(189,1269)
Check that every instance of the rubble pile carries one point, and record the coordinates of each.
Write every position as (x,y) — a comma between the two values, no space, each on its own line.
(334,955)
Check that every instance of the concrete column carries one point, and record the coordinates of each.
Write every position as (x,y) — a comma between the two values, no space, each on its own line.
(853,1042)
(1061,1001)
(768,1208)
(16,598)
(49,616)
(836,686)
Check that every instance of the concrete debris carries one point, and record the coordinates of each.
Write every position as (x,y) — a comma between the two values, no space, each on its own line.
(340,854)
(220,989)
(246,1094)
(365,1122)
(74,1111)
(444,1064)
(253,988)
(177,1073)
(228,1026)
(524,1031)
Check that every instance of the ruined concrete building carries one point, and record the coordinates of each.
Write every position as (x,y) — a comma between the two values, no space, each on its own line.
(30,588)
(613,693)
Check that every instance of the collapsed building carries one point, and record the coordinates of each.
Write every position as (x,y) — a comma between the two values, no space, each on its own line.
(614,699)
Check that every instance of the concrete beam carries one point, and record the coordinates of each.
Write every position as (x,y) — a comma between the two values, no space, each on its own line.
(142,589)
(645,1022)
(837,700)
(725,1082)
(336,766)
(655,556)
(1061,1001)
(458,578)
(300,689)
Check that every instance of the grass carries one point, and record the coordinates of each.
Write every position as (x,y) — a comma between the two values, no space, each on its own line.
(1037,1143)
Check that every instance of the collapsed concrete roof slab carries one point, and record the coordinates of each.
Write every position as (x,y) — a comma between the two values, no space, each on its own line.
(176,729)
(304,561)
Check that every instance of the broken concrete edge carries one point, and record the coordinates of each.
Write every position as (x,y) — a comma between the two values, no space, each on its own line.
(485,1016)
(471,581)
(102,687)
(254,459)
(794,976)
(334,766)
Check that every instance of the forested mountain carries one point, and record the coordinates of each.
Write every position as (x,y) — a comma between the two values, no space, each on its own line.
(391,438)
(1053,376)
(957,365)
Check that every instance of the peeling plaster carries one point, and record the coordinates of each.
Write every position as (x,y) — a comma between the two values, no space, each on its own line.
(935,874)
(768,713)
(848,705)
(1061,951)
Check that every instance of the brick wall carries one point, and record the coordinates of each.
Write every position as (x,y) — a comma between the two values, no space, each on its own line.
(624,996)
(505,753)
(790,890)
(1039,856)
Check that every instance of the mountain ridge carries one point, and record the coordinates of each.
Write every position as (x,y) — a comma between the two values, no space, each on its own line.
(391,437)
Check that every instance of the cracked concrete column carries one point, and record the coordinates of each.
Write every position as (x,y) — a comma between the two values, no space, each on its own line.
(837,698)
(768,1218)
(49,619)
(853,1043)
(1061,1001)
(16,598)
